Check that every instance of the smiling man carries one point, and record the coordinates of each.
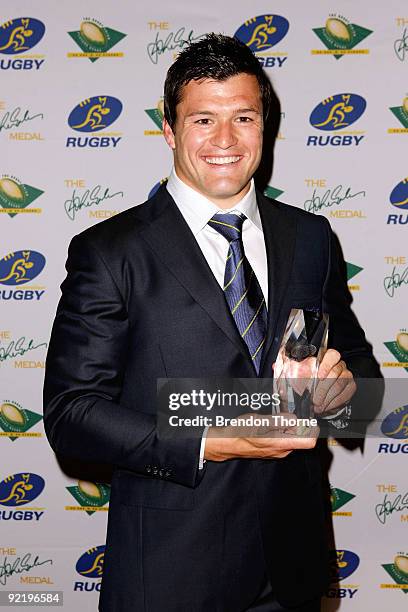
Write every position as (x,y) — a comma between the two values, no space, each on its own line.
(198,282)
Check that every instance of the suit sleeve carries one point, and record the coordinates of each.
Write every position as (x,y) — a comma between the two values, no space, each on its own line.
(83,416)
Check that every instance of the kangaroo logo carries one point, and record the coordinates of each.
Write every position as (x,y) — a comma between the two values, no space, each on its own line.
(337,112)
(20,489)
(395,424)
(95,114)
(20,267)
(19,35)
(263,32)
(90,564)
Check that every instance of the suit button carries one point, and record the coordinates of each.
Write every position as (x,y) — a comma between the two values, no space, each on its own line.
(155,470)
(148,468)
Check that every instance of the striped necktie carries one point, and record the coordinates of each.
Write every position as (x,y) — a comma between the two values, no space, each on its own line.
(241,287)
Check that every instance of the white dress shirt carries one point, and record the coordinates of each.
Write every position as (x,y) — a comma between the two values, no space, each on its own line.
(197,210)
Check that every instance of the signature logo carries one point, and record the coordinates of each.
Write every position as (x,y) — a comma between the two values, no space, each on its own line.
(399,195)
(95,40)
(20,489)
(20,267)
(18,565)
(173,41)
(401,113)
(20,35)
(14,118)
(338,112)
(90,564)
(91,496)
(331,197)
(15,420)
(395,280)
(396,504)
(401,46)
(399,571)
(90,197)
(339,36)
(343,564)
(17,348)
(16,196)
(395,424)
(262,32)
(95,114)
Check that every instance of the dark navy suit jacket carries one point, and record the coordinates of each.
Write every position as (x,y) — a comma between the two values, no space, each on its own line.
(140,303)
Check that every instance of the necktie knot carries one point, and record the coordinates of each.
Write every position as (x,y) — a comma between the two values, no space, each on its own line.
(228,225)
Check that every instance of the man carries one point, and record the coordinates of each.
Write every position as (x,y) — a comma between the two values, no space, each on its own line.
(211,523)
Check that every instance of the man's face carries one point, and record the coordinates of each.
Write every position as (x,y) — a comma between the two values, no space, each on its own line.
(217,139)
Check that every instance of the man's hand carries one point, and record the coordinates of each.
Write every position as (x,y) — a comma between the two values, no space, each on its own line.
(267,442)
(336,384)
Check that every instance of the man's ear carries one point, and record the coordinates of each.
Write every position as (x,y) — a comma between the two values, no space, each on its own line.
(168,134)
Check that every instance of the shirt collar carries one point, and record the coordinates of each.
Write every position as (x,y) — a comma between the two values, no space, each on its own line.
(197,210)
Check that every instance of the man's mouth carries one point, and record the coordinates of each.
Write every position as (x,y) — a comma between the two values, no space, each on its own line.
(219,161)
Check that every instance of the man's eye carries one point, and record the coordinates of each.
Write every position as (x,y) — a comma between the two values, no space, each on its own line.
(203,121)
(244,119)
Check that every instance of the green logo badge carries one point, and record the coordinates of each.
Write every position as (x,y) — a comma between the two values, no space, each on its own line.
(339,36)
(15,421)
(401,113)
(272,192)
(156,115)
(399,349)
(398,572)
(90,496)
(352,270)
(15,196)
(340,498)
(95,40)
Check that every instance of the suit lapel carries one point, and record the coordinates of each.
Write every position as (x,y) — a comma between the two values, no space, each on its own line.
(279,229)
(169,236)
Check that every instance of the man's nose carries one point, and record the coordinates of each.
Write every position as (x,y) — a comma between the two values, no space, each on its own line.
(224,135)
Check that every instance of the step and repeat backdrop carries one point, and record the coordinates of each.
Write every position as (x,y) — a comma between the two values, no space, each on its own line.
(80,130)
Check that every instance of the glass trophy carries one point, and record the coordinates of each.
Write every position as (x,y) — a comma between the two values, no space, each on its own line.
(300,354)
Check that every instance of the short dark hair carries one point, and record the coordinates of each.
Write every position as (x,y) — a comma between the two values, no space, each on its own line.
(216,57)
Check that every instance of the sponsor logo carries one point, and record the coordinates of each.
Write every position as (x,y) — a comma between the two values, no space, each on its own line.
(90,565)
(398,572)
(340,498)
(335,114)
(398,277)
(18,36)
(15,421)
(95,40)
(156,115)
(91,116)
(17,269)
(340,37)
(328,199)
(272,192)
(395,424)
(262,33)
(16,196)
(352,271)
(343,564)
(18,490)
(399,199)
(156,187)
(401,113)
(399,349)
(91,496)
